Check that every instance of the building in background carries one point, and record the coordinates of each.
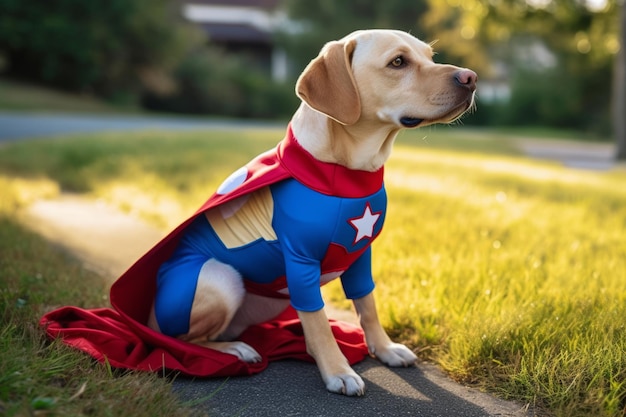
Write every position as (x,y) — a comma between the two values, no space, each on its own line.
(244,27)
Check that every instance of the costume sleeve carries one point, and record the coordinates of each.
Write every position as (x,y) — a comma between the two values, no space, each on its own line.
(304,222)
(357,281)
(303,281)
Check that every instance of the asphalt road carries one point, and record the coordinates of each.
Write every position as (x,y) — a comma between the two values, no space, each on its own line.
(15,126)
(286,388)
(293,388)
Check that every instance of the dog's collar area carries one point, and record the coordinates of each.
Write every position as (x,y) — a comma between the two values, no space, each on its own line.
(324,177)
(410,121)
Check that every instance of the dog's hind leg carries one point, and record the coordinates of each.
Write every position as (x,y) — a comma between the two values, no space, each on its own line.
(219,292)
(254,309)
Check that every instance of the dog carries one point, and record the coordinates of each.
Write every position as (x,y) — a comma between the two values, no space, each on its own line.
(357,95)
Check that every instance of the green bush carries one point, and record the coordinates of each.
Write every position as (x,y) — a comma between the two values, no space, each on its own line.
(110,47)
(211,82)
(550,97)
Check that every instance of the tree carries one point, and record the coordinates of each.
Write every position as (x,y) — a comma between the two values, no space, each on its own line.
(619,99)
(326,20)
(108,46)
(556,55)
(455,29)
(581,40)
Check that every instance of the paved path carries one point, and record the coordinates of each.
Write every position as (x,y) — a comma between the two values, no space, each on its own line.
(287,388)
(292,388)
(573,154)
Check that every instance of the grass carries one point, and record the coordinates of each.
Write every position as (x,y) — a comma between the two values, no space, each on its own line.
(49,379)
(509,273)
(512,276)
(18,96)
(145,172)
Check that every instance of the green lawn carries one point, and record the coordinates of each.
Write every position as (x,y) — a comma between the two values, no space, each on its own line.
(17,96)
(39,378)
(509,273)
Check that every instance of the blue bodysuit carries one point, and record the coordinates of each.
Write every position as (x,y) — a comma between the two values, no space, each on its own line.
(285,239)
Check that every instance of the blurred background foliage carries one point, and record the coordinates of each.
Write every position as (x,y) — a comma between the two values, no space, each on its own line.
(555,56)
(113,48)
(540,62)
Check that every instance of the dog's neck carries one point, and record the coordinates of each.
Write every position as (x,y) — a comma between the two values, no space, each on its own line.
(362,146)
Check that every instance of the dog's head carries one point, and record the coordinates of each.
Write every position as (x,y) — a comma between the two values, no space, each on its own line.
(387,76)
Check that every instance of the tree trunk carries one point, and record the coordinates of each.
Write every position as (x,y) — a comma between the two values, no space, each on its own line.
(619,91)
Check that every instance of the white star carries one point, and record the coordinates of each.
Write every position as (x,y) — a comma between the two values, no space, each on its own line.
(364,225)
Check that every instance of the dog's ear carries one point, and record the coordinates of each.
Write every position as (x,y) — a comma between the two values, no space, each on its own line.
(327,83)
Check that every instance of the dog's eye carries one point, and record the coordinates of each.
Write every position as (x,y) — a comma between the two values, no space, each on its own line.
(398,62)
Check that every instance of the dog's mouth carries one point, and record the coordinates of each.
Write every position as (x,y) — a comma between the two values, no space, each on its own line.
(410,122)
(448,117)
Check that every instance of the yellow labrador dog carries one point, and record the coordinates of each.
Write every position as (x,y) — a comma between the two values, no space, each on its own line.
(356,96)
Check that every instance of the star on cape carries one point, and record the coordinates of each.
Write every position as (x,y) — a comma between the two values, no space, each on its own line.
(364,225)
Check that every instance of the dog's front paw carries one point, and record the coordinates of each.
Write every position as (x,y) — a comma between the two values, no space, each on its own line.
(349,384)
(395,355)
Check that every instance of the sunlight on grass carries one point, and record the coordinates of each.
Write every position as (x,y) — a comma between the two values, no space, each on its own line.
(511,276)
(508,272)
(43,378)
(149,198)
(19,192)
(162,176)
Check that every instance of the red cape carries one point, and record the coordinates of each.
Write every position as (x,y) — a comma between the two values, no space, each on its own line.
(120,336)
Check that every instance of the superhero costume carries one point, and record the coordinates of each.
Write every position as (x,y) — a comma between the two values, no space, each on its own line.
(121,337)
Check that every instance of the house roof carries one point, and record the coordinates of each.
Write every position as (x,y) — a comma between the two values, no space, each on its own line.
(263,4)
(234,21)
(237,33)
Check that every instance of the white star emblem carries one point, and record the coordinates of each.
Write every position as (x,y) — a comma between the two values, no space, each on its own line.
(364,225)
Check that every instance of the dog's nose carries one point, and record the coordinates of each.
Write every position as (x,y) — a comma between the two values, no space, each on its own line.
(466,78)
